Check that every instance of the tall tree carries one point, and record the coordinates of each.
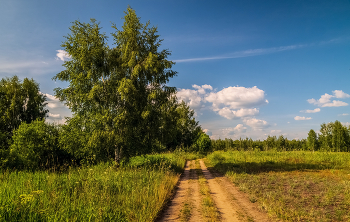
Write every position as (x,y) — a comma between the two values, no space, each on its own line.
(312,140)
(19,102)
(121,90)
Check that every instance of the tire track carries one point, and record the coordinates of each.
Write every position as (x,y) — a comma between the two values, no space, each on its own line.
(173,212)
(224,204)
(231,204)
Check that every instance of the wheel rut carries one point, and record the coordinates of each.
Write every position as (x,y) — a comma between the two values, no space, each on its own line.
(189,202)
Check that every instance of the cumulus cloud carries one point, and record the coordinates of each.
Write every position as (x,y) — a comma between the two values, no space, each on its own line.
(325,100)
(230,102)
(344,114)
(340,94)
(191,97)
(345,124)
(194,97)
(256,124)
(227,132)
(335,103)
(311,111)
(240,128)
(302,118)
(231,114)
(237,97)
(208,132)
(201,89)
(52,101)
(275,132)
(62,55)
(54,115)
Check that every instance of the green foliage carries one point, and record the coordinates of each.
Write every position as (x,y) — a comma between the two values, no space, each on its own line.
(333,137)
(35,145)
(19,102)
(312,140)
(119,93)
(203,143)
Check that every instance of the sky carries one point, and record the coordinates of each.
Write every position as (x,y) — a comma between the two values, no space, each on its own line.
(247,68)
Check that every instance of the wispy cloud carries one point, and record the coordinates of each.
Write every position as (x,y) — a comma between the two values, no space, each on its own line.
(262,51)
(245,53)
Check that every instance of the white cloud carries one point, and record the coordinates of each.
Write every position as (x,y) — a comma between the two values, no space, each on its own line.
(344,114)
(325,100)
(230,102)
(54,115)
(275,132)
(208,132)
(256,124)
(311,111)
(335,103)
(302,118)
(240,128)
(194,97)
(340,94)
(246,53)
(60,121)
(191,97)
(52,101)
(237,97)
(201,89)
(345,124)
(228,132)
(62,55)
(231,114)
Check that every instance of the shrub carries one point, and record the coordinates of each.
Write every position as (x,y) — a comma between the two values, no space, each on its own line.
(203,143)
(35,144)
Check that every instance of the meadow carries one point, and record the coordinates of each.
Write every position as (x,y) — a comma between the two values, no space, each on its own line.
(290,186)
(134,192)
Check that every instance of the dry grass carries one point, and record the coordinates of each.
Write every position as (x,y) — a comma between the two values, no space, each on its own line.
(209,210)
(292,186)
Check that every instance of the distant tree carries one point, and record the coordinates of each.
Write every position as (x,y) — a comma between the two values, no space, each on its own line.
(120,90)
(339,137)
(312,140)
(325,136)
(19,102)
(203,143)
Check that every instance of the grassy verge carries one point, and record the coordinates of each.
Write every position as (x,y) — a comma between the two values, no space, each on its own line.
(135,192)
(293,186)
(209,210)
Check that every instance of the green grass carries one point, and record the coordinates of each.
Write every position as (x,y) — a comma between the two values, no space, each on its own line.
(292,186)
(209,209)
(135,192)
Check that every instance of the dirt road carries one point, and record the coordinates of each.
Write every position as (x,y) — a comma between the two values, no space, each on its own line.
(222,201)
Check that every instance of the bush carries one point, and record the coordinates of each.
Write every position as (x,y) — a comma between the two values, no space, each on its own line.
(35,145)
(203,143)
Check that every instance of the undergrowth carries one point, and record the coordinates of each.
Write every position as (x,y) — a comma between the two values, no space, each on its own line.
(134,192)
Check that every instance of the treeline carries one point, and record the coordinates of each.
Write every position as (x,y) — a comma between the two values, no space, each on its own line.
(333,137)
(121,104)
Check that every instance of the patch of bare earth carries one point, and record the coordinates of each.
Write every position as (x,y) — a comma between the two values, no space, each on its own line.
(229,201)
(246,210)
(195,195)
(173,212)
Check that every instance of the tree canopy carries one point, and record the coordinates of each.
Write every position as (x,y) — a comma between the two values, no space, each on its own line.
(19,102)
(120,93)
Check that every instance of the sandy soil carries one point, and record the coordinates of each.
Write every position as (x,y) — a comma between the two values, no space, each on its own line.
(232,204)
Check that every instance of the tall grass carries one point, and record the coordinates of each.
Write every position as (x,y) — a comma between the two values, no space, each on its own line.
(135,192)
(292,186)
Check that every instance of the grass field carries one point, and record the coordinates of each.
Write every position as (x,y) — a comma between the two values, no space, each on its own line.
(135,192)
(291,186)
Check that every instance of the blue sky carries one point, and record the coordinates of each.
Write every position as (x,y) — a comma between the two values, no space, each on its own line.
(248,68)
